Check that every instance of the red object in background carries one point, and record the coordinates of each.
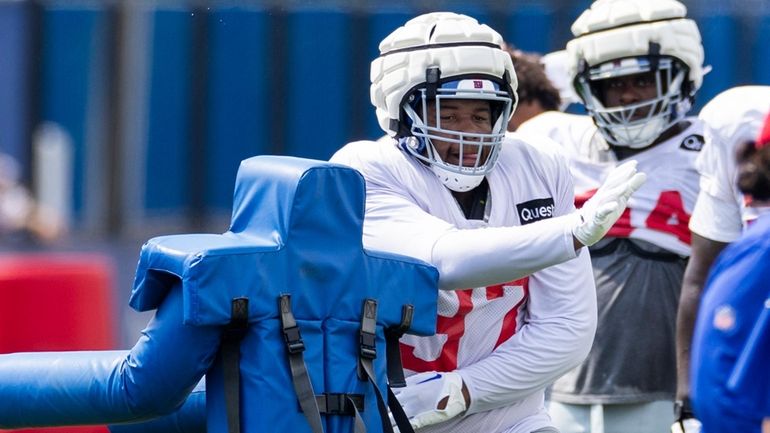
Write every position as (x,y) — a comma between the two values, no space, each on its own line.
(80,429)
(57,302)
(764,134)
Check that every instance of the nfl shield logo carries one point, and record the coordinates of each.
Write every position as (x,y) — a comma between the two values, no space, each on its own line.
(477,84)
(724,318)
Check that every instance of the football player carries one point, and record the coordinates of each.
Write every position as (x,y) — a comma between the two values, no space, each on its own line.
(721,213)
(494,215)
(536,92)
(730,346)
(636,64)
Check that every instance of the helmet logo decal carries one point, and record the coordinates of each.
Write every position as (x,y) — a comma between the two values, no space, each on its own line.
(692,142)
(477,84)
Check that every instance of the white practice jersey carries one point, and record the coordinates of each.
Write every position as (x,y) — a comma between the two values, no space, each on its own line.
(731,118)
(509,338)
(659,212)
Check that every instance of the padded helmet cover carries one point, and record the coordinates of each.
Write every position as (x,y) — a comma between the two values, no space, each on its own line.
(457,44)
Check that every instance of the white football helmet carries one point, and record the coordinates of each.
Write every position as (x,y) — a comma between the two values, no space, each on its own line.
(433,58)
(615,38)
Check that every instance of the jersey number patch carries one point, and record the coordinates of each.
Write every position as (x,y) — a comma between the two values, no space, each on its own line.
(454,329)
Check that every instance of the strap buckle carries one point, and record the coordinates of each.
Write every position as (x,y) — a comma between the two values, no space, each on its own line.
(293,338)
(368,338)
(340,404)
(291,334)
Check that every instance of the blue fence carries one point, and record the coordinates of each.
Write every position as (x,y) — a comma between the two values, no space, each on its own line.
(223,83)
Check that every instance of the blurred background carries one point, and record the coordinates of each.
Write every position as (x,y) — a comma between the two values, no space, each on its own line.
(128,119)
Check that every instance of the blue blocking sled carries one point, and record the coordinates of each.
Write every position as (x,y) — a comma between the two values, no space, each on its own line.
(293,323)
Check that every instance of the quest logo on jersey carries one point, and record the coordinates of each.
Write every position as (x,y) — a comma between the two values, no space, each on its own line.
(693,142)
(535,210)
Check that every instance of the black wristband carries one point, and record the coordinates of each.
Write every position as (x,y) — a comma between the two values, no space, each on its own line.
(683,409)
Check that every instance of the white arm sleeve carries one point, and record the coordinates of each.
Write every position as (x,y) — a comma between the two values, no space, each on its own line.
(464,257)
(482,257)
(560,328)
(397,223)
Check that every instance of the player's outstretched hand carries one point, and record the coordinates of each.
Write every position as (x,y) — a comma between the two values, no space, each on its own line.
(431,397)
(600,212)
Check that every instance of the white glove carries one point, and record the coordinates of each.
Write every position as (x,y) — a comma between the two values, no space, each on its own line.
(422,394)
(687,425)
(600,212)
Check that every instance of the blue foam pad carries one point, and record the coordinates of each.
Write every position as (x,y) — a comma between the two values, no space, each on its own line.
(296,227)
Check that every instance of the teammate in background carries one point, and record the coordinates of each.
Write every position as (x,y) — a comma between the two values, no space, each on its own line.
(731,344)
(536,92)
(721,213)
(19,212)
(556,69)
(518,305)
(636,65)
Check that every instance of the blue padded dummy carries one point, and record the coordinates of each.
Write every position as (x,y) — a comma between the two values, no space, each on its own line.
(296,229)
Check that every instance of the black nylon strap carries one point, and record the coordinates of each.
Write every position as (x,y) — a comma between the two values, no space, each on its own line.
(344,404)
(366,368)
(299,375)
(367,337)
(393,350)
(395,407)
(432,78)
(654,50)
(231,351)
(402,421)
(340,404)
(358,422)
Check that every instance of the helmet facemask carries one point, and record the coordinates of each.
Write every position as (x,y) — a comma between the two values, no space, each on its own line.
(636,125)
(472,154)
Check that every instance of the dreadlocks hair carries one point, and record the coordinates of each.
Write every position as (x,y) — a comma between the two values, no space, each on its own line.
(534,84)
(754,170)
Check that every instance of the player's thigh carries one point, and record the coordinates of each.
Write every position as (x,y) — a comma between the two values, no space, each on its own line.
(652,417)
